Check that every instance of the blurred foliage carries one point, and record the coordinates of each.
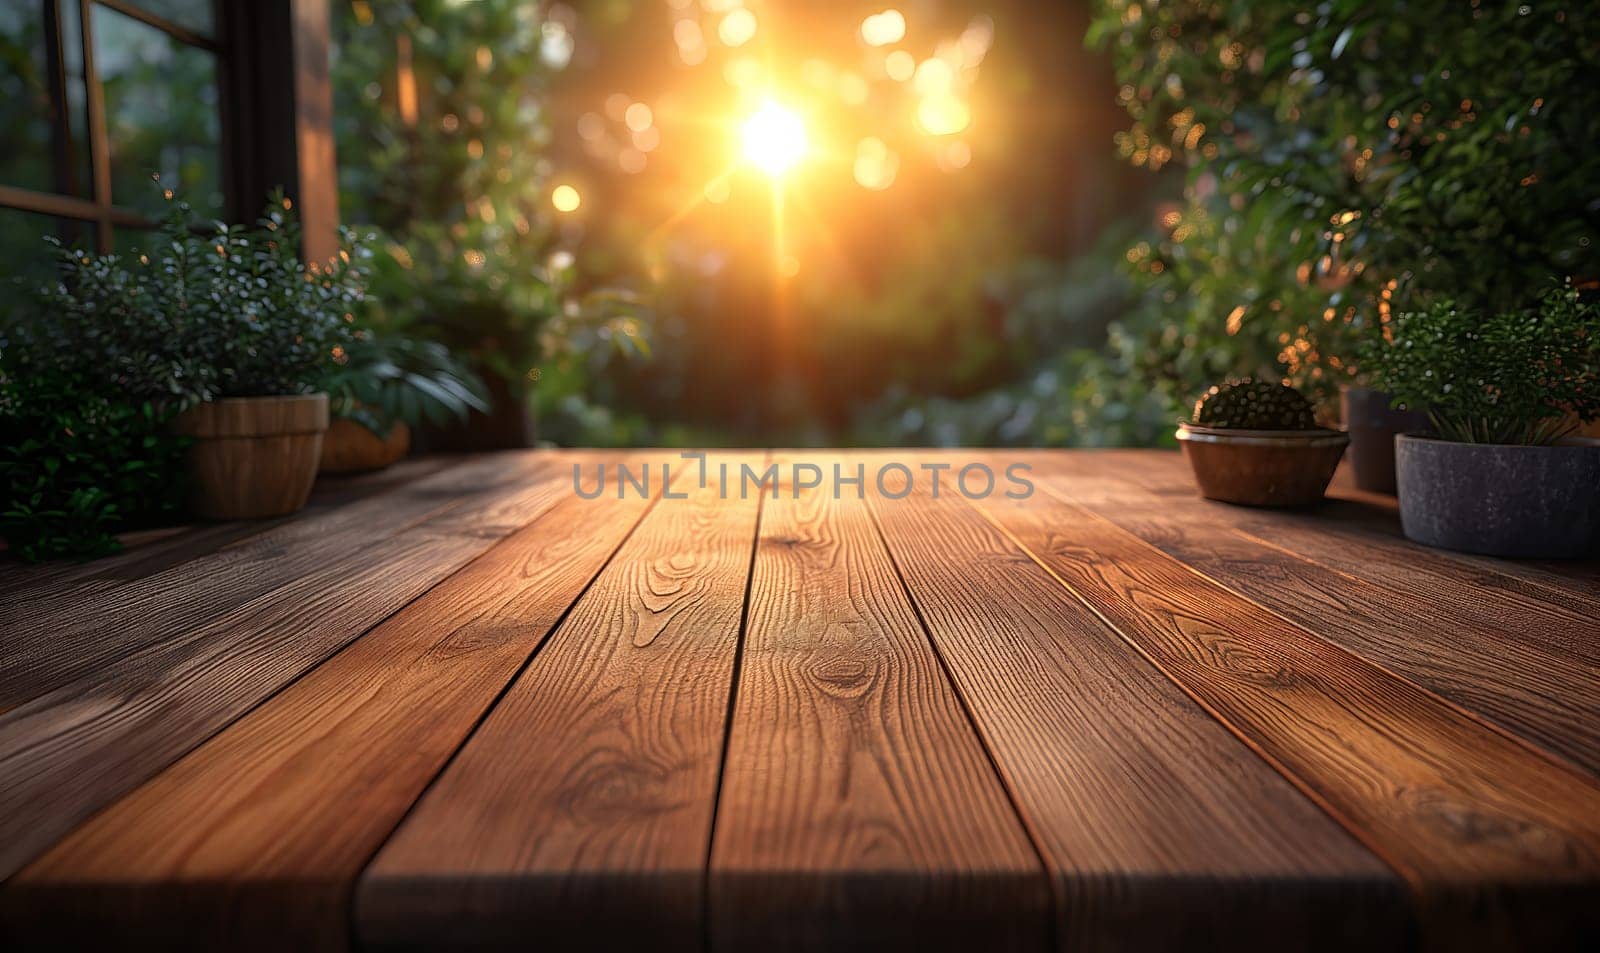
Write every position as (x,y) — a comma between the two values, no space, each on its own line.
(1525,376)
(1341,164)
(383,378)
(77,466)
(442,138)
(1059,383)
(1346,161)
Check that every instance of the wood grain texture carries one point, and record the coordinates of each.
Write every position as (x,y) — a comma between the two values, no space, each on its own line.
(72,751)
(255,838)
(1540,693)
(1160,830)
(1361,540)
(1499,840)
(858,808)
(78,635)
(30,591)
(580,811)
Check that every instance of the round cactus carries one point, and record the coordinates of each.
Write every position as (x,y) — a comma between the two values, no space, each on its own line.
(1254,405)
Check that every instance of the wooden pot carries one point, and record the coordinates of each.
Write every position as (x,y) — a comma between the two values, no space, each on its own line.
(348,447)
(254,457)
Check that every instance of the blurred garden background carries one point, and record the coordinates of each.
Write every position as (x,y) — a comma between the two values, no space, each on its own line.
(937,222)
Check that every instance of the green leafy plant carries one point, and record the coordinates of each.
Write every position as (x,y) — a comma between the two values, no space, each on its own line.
(1342,157)
(224,311)
(383,378)
(1507,377)
(1254,405)
(97,362)
(77,467)
(456,175)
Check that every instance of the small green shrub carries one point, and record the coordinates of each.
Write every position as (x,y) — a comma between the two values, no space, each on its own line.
(1508,377)
(97,362)
(76,467)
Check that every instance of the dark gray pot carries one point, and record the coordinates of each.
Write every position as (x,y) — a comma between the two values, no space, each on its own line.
(1372,425)
(1529,502)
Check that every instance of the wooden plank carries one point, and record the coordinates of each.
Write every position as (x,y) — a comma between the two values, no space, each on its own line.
(580,811)
(82,631)
(1340,534)
(1546,695)
(286,805)
(71,752)
(30,591)
(1159,829)
(1499,840)
(851,762)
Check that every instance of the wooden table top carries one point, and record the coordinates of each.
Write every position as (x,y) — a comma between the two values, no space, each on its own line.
(458,704)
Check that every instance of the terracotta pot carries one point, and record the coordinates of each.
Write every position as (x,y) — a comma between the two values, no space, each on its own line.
(348,447)
(254,457)
(1262,467)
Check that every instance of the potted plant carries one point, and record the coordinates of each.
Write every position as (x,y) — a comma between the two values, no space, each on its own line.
(227,333)
(261,328)
(1258,443)
(382,385)
(1504,390)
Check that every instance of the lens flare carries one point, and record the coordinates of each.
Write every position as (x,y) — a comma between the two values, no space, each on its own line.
(774,138)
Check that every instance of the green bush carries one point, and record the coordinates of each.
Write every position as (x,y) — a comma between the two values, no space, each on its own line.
(76,467)
(96,363)
(1517,377)
(1345,160)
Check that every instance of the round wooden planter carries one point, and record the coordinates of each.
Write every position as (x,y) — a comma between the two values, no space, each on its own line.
(254,457)
(349,447)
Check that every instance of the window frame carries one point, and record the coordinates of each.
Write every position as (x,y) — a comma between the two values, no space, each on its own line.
(98,210)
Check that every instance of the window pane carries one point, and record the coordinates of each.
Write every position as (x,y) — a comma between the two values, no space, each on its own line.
(23,252)
(196,15)
(42,99)
(161,115)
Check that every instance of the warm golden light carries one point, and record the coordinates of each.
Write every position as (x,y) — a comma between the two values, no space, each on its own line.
(900,65)
(884,28)
(737,28)
(943,115)
(565,198)
(774,138)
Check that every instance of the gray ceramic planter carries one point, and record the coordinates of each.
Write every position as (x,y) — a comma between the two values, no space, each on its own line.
(1372,425)
(1529,502)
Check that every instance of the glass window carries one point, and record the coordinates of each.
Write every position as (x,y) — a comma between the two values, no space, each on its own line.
(196,15)
(161,115)
(22,249)
(45,151)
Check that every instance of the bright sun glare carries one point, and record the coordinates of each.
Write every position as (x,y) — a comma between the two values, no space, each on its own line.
(774,138)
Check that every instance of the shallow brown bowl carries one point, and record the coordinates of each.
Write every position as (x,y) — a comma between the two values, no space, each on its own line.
(1262,467)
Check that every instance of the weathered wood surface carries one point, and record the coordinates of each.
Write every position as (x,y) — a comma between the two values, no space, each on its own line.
(850,760)
(1419,780)
(1140,800)
(581,809)
(291,802)
(458,704)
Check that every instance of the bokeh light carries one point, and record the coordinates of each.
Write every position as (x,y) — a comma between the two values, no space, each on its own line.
(884,28)
(876,164)
(737,28)
(565,198)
